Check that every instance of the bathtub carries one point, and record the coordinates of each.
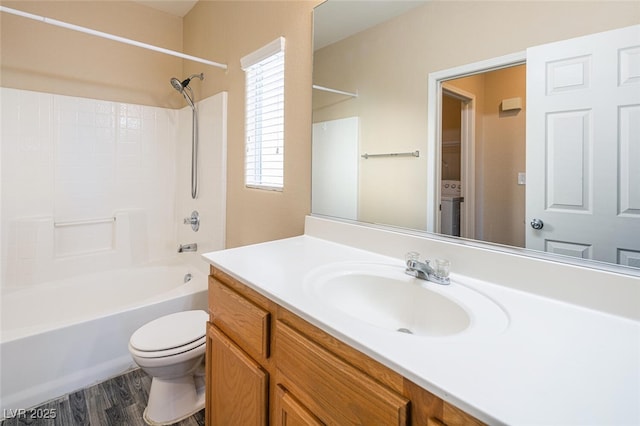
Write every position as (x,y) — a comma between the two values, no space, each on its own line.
(61,336)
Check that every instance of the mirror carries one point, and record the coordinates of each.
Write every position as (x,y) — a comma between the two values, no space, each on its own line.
(373,158)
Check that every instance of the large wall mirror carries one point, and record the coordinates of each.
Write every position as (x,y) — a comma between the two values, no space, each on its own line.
(468,119)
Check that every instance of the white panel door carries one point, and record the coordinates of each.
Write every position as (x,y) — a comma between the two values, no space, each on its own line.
(334,168)
(583,146)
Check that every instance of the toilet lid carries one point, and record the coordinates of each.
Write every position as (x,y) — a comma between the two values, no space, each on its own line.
(171,331)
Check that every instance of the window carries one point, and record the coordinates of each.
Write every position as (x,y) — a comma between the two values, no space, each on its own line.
(264,116)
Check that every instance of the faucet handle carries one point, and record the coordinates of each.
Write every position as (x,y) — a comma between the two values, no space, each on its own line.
(412,255)
(193,220)
(442,268)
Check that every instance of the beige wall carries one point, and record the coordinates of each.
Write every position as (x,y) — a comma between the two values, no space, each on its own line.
(228,31)
(504,156)
(36,56)
(41,57)
(389,65)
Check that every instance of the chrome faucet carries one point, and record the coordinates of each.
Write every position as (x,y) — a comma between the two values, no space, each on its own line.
(187,247)
(424,271)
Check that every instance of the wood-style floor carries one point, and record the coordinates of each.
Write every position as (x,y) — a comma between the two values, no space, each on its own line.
(118,401)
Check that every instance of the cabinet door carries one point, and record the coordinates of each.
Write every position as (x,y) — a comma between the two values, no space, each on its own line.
(290,412)
(238,386)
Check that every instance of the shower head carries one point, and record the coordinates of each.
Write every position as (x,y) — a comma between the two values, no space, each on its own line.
(181,85)
(177,85)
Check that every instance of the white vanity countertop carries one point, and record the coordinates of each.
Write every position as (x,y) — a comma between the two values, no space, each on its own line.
(555,363)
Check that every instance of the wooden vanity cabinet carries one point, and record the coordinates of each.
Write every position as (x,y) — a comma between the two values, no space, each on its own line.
(266,365)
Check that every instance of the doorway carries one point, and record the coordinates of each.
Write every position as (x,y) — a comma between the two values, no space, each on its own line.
(492,165)
(495,176)
(579,135)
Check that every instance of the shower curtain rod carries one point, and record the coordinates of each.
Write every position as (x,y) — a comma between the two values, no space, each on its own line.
(108,36)
(340,92)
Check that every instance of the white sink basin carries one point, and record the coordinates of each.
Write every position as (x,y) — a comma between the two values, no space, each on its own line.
(384,296)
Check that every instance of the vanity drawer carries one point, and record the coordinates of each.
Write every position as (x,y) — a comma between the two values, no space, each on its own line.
(333,390)
(243,321)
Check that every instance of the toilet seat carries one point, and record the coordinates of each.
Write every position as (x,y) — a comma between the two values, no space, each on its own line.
(168,352)
(170,335)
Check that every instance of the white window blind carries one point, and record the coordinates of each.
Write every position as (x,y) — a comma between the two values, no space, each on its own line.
(264,116)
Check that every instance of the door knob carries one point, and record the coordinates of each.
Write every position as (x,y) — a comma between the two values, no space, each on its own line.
(537,224)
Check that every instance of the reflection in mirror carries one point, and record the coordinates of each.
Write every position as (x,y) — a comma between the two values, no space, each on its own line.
(498,202)
(476,178)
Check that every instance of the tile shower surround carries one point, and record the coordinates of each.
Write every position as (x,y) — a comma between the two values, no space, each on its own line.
(70,158)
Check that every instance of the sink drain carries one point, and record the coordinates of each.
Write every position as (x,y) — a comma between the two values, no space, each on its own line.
(404,330)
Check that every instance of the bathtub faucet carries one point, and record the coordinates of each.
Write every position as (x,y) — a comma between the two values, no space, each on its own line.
(187,247)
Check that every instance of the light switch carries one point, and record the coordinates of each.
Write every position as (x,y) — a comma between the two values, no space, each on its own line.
(522,178)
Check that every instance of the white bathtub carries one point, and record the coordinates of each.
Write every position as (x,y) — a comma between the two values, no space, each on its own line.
(64,335)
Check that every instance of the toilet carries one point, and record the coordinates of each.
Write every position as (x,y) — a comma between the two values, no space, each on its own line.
(171,350)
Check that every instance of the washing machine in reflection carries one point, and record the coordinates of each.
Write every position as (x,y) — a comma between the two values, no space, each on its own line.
(450,199)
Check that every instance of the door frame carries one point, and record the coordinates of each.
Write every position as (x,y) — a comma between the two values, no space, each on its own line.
(434,130)
(467,163)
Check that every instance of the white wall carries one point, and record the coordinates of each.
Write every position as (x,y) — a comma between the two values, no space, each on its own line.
(334,168)
(67,159)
